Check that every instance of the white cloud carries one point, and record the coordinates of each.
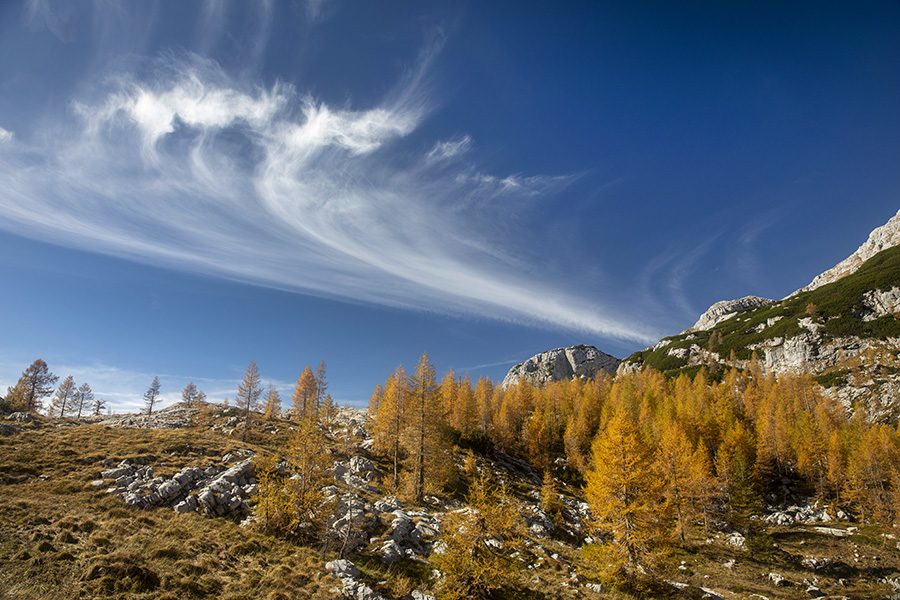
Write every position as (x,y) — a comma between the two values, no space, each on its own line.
(449,149)
(5,136)
(194,169)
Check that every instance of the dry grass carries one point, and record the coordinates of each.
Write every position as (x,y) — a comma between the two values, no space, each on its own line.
(61,538)
(64,539)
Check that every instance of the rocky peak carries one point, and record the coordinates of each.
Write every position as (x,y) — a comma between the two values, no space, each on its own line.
(561,364)
(725,309)
(886,236)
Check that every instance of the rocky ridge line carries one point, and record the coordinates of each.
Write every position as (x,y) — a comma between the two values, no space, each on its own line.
(886,236)
(725,309)
(561,364)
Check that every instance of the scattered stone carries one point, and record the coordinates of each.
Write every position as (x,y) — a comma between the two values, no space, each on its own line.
(10,429)
(360,464)
(392,553)
(343,568)
(20,417)
(778,580)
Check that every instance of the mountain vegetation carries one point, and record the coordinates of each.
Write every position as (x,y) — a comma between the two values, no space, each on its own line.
(836,312)
(670,471)
(757,458)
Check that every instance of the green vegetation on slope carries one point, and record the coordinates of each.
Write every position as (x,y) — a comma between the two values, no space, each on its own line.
(836,306)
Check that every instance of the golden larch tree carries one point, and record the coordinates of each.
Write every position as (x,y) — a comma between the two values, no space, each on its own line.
(623,491)
(304,394)
(476,543)
(390,421)
(423,438)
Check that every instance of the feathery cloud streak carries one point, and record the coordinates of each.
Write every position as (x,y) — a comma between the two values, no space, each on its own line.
(188,167)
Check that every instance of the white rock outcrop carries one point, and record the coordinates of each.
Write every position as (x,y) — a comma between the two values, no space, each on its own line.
(886,236)
(561,364)
(725,309)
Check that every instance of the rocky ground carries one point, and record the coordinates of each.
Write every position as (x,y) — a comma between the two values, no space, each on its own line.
(803,550)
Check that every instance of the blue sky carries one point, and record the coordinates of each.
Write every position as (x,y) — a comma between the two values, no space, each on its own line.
(189,186)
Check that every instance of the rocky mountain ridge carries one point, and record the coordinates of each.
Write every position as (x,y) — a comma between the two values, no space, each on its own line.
(843,329)
(725,309)
(560,364)
(881,238)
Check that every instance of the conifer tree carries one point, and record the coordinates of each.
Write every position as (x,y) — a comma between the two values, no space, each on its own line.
(190,395)
(151,395)
(463,416)
(391,419)
(272,403)
(623,492)
(449,390)
(477,541)
(321,390)
(550,501)
(484,400)
(84,398)
(63,398)
(311,465)
(375,400)
(304,394)
(35,384)
(98,406)
(290,501)
(870,467)
(686,476)
(422,438)
(247,398)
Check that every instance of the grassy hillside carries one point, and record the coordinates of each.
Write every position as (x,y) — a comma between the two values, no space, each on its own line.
(63,538)
(835,306)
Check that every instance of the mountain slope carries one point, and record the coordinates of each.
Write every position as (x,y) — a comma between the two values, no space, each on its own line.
(849,326)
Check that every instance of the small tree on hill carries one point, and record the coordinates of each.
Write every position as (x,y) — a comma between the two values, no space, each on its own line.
(304,394)
(151,395)
(191,395)
(272,403)
(84,398)
(290,500)
(423,438)
(390,421)
(321,389)
(64,397)
(248,394)
(35,384)
(476,542)
(98,406)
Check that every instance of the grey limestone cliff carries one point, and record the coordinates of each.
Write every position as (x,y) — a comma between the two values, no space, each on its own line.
(561,364)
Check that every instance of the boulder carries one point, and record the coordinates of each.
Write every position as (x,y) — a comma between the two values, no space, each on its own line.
(392,553)
(342,569)
(360,464)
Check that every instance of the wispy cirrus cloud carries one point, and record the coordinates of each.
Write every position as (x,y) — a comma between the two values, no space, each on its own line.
(190,167)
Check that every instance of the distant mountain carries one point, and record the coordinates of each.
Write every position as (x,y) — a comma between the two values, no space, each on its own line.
(843,328)
(561,364)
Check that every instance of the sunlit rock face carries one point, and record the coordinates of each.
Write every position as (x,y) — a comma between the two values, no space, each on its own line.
(886,236)
(562,364)
(724,309)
